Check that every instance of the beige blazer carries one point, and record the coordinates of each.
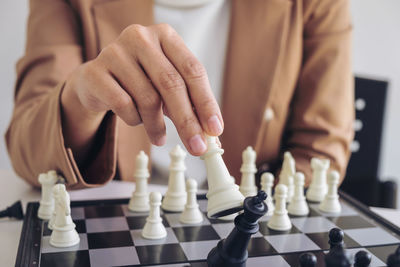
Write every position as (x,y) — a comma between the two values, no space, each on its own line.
(287,85)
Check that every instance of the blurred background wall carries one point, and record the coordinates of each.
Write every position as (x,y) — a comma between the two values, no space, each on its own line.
(376,55)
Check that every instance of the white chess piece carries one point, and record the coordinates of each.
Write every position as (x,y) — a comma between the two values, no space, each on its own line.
(140,198)
(191,214)
(175,198)
(46,208)
(248,169)
(154,228)
(223,194)
(52,220)
(232,216)
(267,182)
(280,220)
(64,233)
(298,206)
(318,187)
(331,202)
(287,173)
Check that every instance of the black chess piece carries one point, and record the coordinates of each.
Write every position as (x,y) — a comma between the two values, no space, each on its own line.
(336,236)
(307,260)
(337,257)
(14,211)
(394,259)
(232,251)
(362,259)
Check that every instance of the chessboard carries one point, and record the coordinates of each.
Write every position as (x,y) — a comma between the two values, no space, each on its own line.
(110,235)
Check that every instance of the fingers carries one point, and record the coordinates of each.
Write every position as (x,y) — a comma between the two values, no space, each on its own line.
(175,97)
(196,80)
(148,102)
(108,95)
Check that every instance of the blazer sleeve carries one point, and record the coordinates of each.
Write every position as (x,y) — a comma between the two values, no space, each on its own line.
(34,137)
(321,120)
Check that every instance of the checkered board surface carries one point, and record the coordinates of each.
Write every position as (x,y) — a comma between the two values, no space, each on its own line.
(110,235)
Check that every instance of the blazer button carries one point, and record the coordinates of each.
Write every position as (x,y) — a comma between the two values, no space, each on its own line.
(269,114)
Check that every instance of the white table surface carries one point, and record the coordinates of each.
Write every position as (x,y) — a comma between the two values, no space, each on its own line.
(13,188)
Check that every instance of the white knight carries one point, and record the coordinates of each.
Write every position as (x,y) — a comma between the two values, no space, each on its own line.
(64,233)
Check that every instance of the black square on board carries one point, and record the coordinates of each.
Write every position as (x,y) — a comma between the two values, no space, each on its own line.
(383,252)
(198,264)
(195,233)
(258,246)
(80,226)
(103,211)
(138,222)
(322,240)
(351,222)
(109,239)
(79,258)
(161,254)
(264,230)
(216,220)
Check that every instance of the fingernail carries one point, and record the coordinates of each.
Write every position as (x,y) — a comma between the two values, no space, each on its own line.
(215,125)
(197,144)
(161,141)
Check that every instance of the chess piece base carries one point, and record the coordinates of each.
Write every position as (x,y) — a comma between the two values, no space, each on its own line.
(281,223)
(64,236)
(139,203)
(174,202)
(154,231)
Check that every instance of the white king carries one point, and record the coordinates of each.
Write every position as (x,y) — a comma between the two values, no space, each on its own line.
(223,194)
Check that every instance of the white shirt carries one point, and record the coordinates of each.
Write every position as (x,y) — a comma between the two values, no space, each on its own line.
(204,27)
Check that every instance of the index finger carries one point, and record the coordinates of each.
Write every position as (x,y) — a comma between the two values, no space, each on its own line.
(196,80)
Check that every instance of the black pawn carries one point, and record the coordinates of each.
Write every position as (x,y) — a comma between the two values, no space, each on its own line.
(394,259)
(362,259)
(307,260)
(336,236)
(337,257)
(14,211)
(232,251)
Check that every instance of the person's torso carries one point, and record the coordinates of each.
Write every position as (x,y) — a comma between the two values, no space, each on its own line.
(262,64)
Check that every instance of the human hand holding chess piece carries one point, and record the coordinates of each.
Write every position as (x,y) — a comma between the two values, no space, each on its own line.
(145,73)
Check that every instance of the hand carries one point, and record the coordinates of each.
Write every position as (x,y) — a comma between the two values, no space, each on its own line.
(145,73)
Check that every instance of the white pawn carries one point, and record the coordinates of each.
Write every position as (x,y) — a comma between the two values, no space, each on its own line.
(191,214)
(140,198)
(64,233)
(175,198)
(267,181)
(287,173)
(248,169)
(298,206)
(318,187)
(46,208)
(331,202)
(154,228)
(280,220)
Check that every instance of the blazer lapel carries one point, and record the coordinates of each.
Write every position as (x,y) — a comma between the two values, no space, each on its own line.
(257,34)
